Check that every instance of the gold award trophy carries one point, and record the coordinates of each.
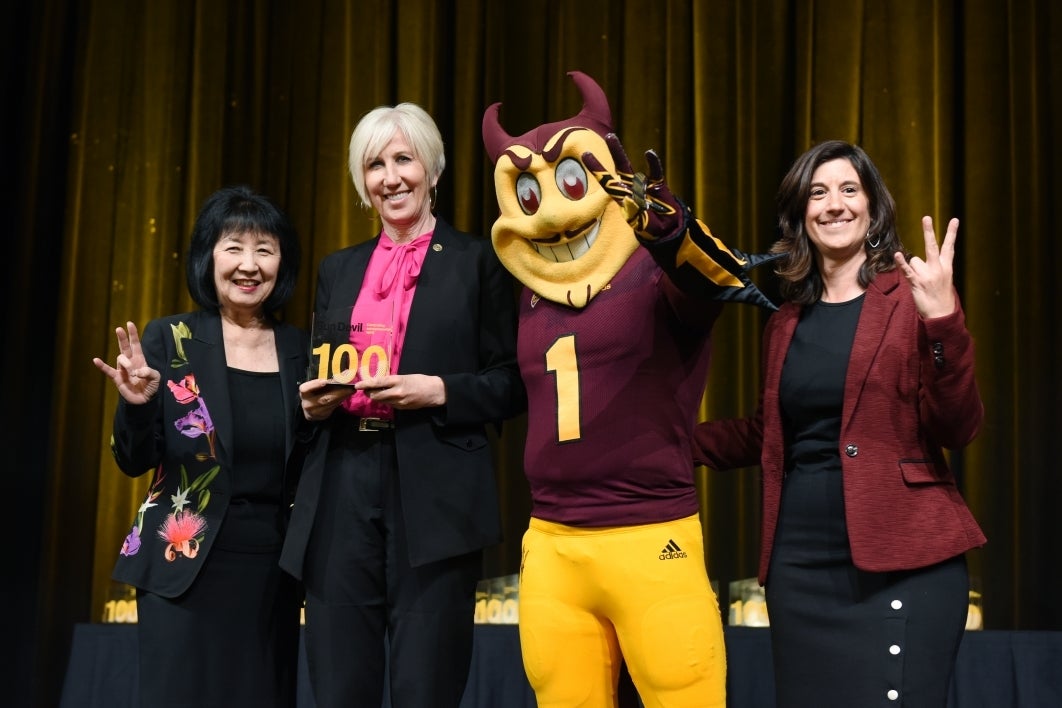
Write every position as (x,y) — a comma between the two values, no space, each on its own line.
(344,351)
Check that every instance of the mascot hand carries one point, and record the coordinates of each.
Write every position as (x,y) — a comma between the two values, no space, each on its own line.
(648,204)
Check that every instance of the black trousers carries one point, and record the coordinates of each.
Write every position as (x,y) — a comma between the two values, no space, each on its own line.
(369,613)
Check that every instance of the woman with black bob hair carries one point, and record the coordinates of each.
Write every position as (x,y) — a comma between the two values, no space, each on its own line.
(238,210)
(207,406)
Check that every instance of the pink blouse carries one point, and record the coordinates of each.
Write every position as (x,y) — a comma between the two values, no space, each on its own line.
(380,314)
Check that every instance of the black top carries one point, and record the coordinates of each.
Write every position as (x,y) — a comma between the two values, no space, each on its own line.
(812,385)
(253,520)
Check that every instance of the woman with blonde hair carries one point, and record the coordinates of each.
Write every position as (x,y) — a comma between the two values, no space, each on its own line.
(398,495)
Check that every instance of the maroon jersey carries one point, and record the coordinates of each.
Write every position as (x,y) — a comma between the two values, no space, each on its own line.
(613,391)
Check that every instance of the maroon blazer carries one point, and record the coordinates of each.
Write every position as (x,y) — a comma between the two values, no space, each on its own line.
(909,393)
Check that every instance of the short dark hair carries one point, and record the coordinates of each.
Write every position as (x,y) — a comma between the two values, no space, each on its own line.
(801,280)
(238,209)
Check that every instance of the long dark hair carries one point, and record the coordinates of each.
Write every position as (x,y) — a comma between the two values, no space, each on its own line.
(238,209)
(798,270)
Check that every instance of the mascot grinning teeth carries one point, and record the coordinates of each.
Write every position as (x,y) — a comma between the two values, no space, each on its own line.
(573,212)
(559,232)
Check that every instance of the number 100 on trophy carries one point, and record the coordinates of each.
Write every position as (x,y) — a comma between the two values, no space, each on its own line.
(344,351)
(343,363)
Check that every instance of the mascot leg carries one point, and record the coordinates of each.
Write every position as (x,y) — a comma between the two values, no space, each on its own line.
(668,620)
(570,652)
(592,598)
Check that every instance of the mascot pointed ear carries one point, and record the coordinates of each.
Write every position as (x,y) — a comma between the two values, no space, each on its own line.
(595,115)
(495,139)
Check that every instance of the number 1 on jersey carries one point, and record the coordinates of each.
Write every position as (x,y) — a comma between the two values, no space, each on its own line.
(562,361)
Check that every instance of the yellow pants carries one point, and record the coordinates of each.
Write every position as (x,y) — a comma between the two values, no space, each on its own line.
(591,598)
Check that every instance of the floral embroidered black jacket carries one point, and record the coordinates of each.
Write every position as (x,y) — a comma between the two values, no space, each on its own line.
(184,438)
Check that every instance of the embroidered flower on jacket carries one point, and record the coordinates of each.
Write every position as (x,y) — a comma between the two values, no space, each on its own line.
(197,422)
(184,528)
(181,332)
(182,532)
(186,390)
(180,499)
(131,544)
(132,541)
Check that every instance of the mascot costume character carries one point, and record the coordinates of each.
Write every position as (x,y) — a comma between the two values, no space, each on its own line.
(622,287)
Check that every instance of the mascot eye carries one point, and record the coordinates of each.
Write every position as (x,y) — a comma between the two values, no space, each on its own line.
(571,179)
(529,193)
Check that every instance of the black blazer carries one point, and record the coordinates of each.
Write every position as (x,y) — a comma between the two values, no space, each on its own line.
(462,327)
(184,435)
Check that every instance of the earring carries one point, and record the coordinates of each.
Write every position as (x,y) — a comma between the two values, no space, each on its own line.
(433,197)
(875,243)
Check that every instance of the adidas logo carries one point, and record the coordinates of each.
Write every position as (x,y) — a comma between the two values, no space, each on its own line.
(671,550)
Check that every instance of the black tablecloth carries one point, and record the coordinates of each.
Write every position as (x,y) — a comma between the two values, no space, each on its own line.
(996,669)
(102,671)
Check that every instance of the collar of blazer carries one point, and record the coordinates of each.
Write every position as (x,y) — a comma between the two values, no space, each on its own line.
(879,306)
(346,268)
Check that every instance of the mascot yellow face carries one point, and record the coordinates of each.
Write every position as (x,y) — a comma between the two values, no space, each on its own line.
(559,232)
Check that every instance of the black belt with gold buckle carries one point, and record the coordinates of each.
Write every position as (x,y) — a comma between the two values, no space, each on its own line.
(373,425)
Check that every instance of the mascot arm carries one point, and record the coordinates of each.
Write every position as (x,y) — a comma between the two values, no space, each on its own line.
(697,262)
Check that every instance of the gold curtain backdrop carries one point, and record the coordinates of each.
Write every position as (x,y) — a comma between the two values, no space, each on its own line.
(123,115)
